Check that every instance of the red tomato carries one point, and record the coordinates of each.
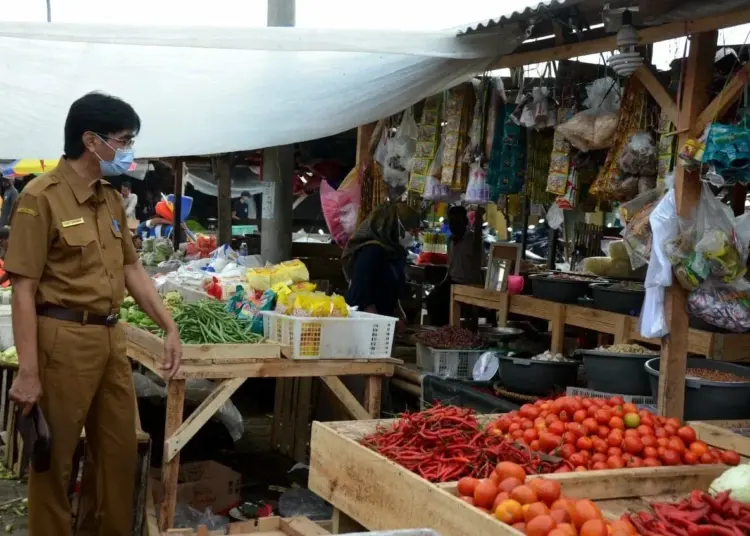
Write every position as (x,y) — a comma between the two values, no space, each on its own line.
(676,444)
(698,448)
(529,411)
(584,443)
(556,427)
(578,429)
(635,462)
(600,445)
(689,458)
(617,422)
(603,432)
(578,459)
(687,434)
(549,442)
(569,438)
(615,462)
(614,451)
(708,458)
(648,440)
(651,462)
(650,452)
(660,432)
(730,457)
(598,466)
(673,422)
(552,417)
(633,445)
(629,408)
(466,486)
(631,432)
(614,439)
(599,457)
(530,435)
(591,425)
(579,416)
(534,445)
(603,416)
(670,430)
(644,430)
(568,450)
(616,400)
(670,457)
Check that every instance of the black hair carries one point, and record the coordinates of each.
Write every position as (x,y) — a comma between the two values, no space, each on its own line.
(457,211)
(245,193)
(99,113)
(127,184)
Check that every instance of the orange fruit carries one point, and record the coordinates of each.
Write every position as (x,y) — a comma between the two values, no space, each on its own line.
(560,515)
(622,527)
(530,511)
(548,491)
(594,527)
(509,484)
(509,512)
(540,526)
(585,510)
(502,496)
(524,495)
(467,485)
(485,493)
(567,529)
(507,470)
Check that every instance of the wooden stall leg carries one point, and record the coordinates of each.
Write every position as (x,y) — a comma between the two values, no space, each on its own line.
(350,402)
(557,328)
(343,524)
(622,330)
(455,318)
(373,395)
(673,364)
(170,468)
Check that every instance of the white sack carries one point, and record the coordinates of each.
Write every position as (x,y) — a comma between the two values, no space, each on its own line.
(214,90)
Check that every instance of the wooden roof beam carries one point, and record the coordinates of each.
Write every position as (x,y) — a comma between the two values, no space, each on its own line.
(723,101)
(646,36)
(658,92)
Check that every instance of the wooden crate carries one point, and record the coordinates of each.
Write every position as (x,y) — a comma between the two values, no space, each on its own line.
(731,346)
(381,495)
(266,526)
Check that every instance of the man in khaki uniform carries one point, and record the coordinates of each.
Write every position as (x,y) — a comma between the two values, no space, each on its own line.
(71,257)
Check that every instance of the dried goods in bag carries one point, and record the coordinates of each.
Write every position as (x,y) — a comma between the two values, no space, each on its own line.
(590,130)
(723,306)
(639,156)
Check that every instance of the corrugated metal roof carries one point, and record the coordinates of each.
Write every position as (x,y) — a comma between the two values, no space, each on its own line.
(529,12)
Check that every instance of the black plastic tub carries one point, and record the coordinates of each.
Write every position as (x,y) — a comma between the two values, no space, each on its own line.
(611,372)
(709,400)
(698,323)
(540,378)
(609,297)
(559,290)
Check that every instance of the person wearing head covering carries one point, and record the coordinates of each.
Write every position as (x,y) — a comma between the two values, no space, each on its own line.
(465,251)
(375,257)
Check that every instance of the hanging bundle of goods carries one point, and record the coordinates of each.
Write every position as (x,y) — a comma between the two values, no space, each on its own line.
(427,166)
(459,110)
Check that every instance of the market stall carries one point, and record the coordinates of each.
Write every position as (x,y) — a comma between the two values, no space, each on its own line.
(380,494)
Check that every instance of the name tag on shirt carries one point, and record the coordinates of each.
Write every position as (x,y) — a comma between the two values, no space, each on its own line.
(72,223)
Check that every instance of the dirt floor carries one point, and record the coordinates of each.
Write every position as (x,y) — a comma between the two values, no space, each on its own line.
(10,521)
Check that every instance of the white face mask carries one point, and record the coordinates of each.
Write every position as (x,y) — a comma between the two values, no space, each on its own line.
(407,239)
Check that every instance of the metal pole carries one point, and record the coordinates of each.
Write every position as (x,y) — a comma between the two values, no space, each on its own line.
(278,170)
(49,10)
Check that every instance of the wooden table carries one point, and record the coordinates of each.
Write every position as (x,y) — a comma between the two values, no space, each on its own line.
(367,488)
(731,347)
(233,370)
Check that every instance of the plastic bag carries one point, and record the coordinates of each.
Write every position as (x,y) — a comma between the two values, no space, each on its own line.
(723,306)
(653,322)
(478,191)
(187,517)
(400,151)
(603,93)
(303,502)
(639,156)
(555,217)
(341,209)
(637,235)
(590,130)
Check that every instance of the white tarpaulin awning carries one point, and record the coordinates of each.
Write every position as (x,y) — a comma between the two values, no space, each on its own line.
(215,90)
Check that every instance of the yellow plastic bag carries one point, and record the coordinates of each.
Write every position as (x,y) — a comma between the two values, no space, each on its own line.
(259,278)
(295,270)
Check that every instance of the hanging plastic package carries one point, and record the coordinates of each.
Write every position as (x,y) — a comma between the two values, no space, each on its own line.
(721,305)
(478,190)
(637,235)
(603,93)
(639,156)
(400,151)
(340,209)
(727,148)
(664,227)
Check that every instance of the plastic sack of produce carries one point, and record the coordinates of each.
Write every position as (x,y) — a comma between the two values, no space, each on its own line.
(590,130)
(639,156)
(637,235)
(340,209)
(603,93)
(400,151)
(724,306)
(478,191)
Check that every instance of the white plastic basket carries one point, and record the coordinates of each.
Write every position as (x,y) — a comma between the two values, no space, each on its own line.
(360,336)
(456,364)
(638,400)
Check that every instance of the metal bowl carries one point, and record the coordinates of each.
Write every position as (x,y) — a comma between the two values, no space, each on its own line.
(499,334)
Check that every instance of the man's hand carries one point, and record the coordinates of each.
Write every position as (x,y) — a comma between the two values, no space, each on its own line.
(26,390)
(172,353)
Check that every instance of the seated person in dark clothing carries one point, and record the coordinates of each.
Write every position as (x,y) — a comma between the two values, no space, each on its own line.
(375,257)
(241,211)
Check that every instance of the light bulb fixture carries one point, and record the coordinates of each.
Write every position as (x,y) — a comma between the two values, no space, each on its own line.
(627,59)
(510,229)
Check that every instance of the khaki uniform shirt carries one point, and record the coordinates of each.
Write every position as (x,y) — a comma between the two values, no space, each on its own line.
(72,238)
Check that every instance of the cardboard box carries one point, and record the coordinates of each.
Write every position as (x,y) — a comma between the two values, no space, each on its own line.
(204,485)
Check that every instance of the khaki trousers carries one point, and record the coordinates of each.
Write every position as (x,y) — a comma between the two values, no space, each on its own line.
(86,380)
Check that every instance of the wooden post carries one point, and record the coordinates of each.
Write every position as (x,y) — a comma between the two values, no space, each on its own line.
(364,133)
(373,395)
(179,169)
(222,168)
(171,469)
(697,76)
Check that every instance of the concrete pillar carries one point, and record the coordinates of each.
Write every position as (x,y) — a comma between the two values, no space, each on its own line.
(278,167)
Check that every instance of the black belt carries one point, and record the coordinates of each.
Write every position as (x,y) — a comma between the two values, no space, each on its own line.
(79,317)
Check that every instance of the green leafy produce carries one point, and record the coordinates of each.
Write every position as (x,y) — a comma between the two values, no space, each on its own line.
(9,356)
(208,322)
(736,480)
(128,302)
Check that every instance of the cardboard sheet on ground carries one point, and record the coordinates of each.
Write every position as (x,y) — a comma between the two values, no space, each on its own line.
(214,90)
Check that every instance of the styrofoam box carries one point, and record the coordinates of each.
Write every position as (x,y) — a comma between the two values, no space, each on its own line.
(6,328)
(360,336)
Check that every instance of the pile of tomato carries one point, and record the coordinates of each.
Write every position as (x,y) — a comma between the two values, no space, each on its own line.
(592,434)
(536,506)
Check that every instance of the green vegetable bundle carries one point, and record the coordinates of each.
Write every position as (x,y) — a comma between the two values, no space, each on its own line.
(208,322)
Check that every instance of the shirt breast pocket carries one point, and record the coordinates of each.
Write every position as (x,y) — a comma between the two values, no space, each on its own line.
(81,248)
(114,226)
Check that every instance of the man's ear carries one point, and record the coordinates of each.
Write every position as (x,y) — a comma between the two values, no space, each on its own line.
(89,140)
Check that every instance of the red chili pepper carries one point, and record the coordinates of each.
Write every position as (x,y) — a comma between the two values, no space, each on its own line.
(712,530)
